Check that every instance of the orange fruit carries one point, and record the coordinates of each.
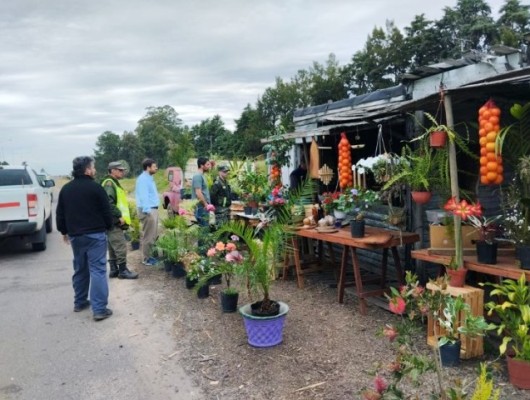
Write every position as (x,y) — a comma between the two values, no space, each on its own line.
(492,166)
(483,160)
(499,180)
(482,132)
(491,156)
(483,151)
(484,180)
(488,126)
(486,114)
(490,146)
(495,111)
(491,176)
(494,119)
(483,140)
(483,170)
(500,168)
(491,136)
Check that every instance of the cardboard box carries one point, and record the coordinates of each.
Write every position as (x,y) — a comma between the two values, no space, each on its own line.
(441,238)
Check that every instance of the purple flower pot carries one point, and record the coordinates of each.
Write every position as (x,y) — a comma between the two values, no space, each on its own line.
(264,331)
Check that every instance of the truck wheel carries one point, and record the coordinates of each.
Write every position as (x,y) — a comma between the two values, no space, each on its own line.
(49,224)
(40,237)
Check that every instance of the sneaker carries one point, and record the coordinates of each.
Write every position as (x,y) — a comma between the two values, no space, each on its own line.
(82,307)
(101,316)
(150,261)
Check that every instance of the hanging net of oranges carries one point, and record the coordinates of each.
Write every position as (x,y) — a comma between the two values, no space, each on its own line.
(344,167)
(491,169)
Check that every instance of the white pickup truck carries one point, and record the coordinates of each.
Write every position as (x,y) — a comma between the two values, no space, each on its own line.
(25,205)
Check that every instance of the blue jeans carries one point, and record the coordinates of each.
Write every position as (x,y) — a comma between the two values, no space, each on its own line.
(90,270)
(202,216)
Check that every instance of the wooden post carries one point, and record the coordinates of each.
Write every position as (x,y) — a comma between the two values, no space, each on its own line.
(453,174)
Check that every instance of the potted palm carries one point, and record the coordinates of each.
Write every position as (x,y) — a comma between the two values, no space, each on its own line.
(513,311)
(264,319)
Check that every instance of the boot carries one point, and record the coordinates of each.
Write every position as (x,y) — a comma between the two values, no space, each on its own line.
(113,269)
(124,272)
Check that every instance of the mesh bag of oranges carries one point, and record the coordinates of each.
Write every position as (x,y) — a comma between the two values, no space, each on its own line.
(491,169)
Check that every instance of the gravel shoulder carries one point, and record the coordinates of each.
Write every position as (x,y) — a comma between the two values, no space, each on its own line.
(329,351)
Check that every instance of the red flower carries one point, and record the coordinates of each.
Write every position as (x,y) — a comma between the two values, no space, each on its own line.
(463,209)
(397,305)
(380,384)
(451,204)
(390,332)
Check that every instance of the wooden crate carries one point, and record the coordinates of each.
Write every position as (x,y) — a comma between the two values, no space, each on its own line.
(471,347)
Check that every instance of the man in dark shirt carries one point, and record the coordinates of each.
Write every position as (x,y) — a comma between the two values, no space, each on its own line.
(297,177)
(221,196)
(83,217)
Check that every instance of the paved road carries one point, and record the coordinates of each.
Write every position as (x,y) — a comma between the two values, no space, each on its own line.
(49,352)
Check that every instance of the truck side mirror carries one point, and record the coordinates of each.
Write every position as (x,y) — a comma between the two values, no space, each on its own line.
(49,183)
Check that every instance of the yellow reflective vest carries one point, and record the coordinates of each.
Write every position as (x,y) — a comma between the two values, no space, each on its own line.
(121,201)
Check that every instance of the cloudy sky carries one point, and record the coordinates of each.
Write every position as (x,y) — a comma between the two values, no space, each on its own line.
(72,69)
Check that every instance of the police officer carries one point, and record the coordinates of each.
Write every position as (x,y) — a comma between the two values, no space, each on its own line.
(221,195)
(121,220)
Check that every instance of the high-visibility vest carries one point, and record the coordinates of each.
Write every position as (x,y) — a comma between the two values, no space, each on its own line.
(121,201)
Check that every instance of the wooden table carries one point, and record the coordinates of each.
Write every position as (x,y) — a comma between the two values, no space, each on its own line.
(505,267)
(374,239)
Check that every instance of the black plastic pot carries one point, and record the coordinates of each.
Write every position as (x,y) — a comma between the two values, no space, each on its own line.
(168,266)
(178,270)
(523,253)
(357,228)
(190,283)
(203,292)
(486,252)
(229,302)
(450,354)
(216,280)
(135,245)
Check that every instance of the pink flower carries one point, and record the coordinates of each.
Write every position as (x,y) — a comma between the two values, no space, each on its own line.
(219,246)
(380,384)
(210,207)
(234,257)
(234,238)
(211,252)
(418,291)
(275,192)
(397,305)
(182,211)
(390,332)
(230,247)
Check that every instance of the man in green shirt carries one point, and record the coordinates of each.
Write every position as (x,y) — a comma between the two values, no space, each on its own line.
(121,220)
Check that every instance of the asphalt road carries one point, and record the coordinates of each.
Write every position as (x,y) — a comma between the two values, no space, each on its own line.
(49,352)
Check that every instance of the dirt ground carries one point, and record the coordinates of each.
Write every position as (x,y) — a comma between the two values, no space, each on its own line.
(329,351)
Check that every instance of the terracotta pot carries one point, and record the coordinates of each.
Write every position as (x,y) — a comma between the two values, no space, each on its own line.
(421,197)
(438,139)
(519,372)
(457,277)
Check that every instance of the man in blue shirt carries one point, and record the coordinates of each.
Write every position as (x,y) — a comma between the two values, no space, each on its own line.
(147,202)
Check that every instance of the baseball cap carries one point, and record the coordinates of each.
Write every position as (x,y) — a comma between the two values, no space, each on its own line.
(223,168)
(116,165)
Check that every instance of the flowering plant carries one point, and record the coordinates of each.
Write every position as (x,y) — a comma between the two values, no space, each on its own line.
(328,201)
(486,226)
(412,303)
(223,258)
(463,210)
(276,198)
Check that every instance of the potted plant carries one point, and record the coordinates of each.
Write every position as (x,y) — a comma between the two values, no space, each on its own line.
(362,201)
(252,186)
(486,244)
(225,259)
(456,319)
(462,210)
(263,319)
(134,231)
(513,311)
(438,133)
(417,172)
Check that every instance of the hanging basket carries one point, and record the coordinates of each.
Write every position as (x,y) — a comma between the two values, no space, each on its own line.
(438,139)
(421,197)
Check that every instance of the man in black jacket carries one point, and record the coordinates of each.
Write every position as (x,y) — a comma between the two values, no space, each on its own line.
(83,217)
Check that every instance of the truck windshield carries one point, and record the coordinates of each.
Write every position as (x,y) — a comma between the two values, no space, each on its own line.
(14,177)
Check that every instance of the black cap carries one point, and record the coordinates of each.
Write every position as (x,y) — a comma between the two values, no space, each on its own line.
(223,168)
(116,165)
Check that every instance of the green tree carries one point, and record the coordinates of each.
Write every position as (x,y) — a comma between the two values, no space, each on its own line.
(181,149)
(250,128)
(208,134)
(132,151)
(422,42)
(513,22)
(108,146)
(155,131)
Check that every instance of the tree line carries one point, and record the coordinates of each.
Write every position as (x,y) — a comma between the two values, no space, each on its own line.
(387,54)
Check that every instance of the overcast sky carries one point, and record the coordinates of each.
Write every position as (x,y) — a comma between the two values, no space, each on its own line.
(72,69)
